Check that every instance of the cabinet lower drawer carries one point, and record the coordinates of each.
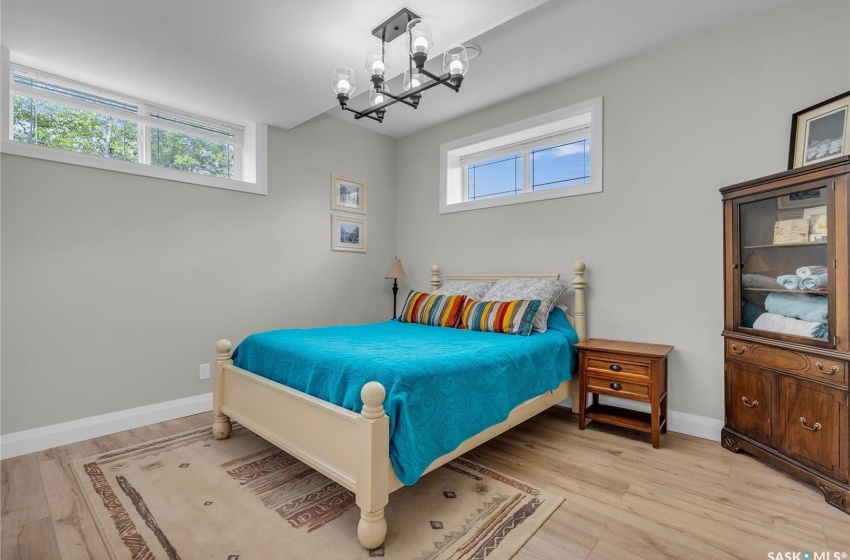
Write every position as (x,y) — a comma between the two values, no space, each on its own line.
(618,388)
(800,363)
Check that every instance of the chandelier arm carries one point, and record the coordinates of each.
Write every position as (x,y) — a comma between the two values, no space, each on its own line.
(360,115)
(444,79)
(402,98)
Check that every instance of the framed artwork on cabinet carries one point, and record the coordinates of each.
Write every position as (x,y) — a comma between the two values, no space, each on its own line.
(348,233)
(820,132)
(804,199)
(347,194)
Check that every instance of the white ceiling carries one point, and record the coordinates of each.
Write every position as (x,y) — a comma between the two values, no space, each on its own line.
(271,61)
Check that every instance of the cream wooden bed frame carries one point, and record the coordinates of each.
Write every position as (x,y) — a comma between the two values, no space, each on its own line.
(351,448)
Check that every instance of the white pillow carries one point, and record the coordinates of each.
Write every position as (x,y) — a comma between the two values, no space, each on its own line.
(547,291)
(472,290)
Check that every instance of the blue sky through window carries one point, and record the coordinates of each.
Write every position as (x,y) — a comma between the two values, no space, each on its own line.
(560,166)
(496,177)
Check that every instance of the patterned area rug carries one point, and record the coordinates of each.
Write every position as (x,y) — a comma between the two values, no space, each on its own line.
(192,496)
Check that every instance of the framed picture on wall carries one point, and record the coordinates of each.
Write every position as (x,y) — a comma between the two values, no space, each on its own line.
(347,194)
(348,233)
(820,132)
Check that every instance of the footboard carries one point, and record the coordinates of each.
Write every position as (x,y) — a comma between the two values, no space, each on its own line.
(349,448)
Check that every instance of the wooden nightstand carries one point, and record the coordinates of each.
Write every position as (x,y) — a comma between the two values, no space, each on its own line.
(627,370)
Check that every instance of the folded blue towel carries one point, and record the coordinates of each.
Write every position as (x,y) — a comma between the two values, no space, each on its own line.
(790,281)
(806,307)
(814,282)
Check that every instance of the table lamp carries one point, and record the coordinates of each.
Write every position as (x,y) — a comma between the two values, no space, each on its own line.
(395,272)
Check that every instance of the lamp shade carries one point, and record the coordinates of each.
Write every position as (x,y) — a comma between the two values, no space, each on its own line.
(343,80)
(376,97)
(375,63)
(456,60)
(419,38)
(417,80)
(396,270)
(755,264)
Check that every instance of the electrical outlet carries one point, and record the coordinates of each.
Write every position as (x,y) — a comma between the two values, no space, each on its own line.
(204,372)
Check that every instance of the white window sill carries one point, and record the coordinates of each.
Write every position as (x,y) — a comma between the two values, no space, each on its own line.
(16,148)
(521,198)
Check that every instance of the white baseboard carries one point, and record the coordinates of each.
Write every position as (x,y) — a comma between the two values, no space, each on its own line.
(30,441)
(37,439)
(681,422)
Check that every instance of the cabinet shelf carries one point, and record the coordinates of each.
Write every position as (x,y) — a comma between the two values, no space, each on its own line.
(818,292)
(771,246)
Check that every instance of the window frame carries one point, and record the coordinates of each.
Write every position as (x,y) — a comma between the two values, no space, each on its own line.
(456,155)
(249,156)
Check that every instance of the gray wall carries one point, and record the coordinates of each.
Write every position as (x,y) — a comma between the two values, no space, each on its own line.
(115,287)
(679,123)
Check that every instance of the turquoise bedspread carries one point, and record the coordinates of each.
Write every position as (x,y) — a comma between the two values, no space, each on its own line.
(443,385)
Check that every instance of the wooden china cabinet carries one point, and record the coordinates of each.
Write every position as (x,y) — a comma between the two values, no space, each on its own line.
(786,327)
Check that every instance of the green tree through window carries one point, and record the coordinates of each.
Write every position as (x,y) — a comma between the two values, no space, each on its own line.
(54,113)
(77,130)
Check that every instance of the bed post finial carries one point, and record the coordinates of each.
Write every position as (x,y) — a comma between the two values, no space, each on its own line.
(222,350)
(221,423)
(579,285)
(373,394)
(435,277)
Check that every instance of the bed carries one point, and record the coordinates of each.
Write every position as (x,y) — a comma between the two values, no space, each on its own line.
(353,448)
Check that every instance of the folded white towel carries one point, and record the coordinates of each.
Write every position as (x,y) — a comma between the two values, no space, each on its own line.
(806,271)
(817,282)
(774,322)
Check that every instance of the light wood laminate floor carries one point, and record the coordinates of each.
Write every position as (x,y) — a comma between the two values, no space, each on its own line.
(688,500)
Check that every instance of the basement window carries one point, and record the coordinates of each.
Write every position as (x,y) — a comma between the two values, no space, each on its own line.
(554,155)
(63,120)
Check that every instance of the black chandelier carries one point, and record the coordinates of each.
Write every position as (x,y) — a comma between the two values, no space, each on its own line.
(417,79)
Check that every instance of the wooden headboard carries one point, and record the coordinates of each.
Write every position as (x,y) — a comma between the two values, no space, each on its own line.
(579,316)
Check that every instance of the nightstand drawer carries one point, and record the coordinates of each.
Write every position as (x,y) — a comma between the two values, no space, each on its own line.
(614,363)
(617,388)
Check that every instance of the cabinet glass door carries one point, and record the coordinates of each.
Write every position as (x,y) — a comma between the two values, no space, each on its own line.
(784,263)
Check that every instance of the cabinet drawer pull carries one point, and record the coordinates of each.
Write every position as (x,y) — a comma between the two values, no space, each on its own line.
(748,405)
(741,351)
(819,367)
(814,428)
(616,386)
(615,367)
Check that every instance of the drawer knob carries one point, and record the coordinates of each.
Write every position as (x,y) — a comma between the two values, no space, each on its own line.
(814,428)
(819,367)
(747,404)
(616,386)
(737,351)
(615,367)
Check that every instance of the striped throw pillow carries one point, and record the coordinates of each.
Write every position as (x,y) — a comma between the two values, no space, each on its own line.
(510,317)
(429,309)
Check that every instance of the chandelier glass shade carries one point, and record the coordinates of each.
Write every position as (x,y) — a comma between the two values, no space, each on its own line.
(419,43)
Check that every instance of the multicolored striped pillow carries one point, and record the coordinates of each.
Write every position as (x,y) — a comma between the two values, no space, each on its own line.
(429,309)
(510,317)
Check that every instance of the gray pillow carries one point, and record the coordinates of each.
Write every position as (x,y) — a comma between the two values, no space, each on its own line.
(470,289)
(547,291)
